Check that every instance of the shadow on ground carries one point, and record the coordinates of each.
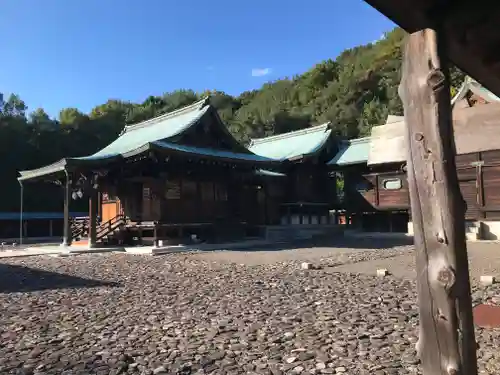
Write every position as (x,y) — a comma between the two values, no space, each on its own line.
(15,278)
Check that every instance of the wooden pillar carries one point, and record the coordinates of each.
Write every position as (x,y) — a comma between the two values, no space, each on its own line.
(446,340)
(66,221)
(93,218)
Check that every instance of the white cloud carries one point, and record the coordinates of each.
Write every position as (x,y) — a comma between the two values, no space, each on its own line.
(261,72)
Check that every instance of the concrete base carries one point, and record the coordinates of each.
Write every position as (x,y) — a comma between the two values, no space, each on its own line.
(64,251)
(480,230)
(361,234)
(29,252)
(211,247)
(287,233)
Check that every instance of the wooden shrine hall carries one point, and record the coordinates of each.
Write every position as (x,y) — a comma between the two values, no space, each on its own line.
(374,168)
(306,191)
(180,175)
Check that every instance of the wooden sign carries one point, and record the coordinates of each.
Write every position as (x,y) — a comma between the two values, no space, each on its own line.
(173,190)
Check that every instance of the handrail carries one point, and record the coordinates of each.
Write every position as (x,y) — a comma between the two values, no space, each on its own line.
(80,226)
(109,226)
(110,222)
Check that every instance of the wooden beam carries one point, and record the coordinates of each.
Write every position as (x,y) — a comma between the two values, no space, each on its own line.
(446,341)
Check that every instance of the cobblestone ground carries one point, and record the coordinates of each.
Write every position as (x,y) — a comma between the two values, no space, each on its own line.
(212,313)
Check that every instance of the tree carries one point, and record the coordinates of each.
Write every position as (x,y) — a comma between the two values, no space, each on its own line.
(72,118)
(355,91)
(14,107)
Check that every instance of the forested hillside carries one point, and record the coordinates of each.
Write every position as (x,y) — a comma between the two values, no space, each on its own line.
(354,91)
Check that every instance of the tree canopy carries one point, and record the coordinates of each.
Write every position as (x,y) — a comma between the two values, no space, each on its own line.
(354,91)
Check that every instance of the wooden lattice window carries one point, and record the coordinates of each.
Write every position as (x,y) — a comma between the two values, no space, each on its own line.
(173,190)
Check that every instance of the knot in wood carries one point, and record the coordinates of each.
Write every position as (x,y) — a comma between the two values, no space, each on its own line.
(436,80)
(419,137)
(446,276)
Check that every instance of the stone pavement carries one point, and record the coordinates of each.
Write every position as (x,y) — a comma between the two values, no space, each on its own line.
(241,312)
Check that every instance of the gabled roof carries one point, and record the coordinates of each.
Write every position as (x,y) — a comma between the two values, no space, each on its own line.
(477,89)
(162,127)
(388,144)
(157,134)
(475,129)
(292,145)
(354,151)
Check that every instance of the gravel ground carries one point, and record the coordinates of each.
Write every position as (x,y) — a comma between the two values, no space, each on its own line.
(484,259)
(213,313)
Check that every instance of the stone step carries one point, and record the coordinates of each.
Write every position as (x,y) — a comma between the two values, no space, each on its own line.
(470,236)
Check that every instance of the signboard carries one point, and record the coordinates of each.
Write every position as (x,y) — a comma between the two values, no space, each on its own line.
(173,190)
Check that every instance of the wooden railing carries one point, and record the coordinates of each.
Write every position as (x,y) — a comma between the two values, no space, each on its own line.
(110,226)
(80,227)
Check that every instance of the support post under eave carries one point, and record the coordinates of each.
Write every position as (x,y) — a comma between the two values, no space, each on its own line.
(67,238)
(21,210)
(446,340)
(92,218)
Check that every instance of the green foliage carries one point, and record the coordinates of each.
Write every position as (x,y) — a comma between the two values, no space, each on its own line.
(354,92)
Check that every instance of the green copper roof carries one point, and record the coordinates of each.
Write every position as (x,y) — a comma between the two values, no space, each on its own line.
(169,146)
(476,88)
(351,152)
(154,134)
(166,147)
(159,128)
(292,145)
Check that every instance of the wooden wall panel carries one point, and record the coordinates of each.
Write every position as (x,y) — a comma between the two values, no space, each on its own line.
(369,194)
(467,173)
(466,159)
(478,174)
(491,185)
(492,215)
(491,156)
(470,196)
(393,198)
(109,210)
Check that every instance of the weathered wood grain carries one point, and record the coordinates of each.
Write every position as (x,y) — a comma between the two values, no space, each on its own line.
(446,341)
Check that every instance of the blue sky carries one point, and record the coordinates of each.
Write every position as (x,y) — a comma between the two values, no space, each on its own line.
(79,53)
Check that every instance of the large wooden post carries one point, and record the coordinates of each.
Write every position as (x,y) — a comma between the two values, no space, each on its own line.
(66,221)
(93,218)
(446,341)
